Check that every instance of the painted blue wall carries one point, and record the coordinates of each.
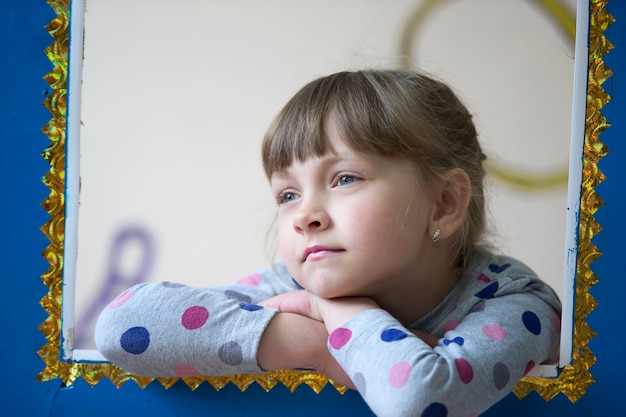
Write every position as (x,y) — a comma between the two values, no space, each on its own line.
(22,39)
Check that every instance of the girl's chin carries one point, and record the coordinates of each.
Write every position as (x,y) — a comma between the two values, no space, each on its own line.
(327,292)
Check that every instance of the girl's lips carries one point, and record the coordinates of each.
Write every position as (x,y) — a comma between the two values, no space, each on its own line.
(313,253)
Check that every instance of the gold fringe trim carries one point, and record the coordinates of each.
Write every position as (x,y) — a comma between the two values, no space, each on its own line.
(573,380)
(576,377)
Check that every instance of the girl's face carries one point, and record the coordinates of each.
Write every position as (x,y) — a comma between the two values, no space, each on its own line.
(353,224)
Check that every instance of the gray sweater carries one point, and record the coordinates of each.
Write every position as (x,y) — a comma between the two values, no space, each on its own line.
(496,324)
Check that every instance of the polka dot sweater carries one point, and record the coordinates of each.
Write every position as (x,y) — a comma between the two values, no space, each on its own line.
(493,328)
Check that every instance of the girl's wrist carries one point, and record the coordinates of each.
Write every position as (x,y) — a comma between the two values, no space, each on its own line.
(337,311)
(292,341)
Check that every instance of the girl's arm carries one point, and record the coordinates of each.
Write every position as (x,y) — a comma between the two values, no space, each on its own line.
(474,364)
(478,361)
(165,329)
(331,312)
(294,341)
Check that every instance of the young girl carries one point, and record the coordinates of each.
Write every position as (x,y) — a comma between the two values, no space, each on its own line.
(385,287)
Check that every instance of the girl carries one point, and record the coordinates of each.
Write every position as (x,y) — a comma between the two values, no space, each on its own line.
(385,286)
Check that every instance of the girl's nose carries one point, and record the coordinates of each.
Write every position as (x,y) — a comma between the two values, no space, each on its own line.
(310,218)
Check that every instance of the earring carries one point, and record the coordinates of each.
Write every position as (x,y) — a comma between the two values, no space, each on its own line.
(436,235)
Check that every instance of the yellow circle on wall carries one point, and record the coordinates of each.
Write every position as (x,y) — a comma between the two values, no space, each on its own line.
(517,178)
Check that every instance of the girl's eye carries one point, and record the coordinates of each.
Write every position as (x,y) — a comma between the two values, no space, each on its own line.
(345,180)
(287,197)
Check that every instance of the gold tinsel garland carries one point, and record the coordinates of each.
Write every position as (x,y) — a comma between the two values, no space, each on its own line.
(574,379)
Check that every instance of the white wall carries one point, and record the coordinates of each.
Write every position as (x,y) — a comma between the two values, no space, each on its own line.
(176,98)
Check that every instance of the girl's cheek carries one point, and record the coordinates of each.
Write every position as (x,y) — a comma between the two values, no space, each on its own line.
(284,245)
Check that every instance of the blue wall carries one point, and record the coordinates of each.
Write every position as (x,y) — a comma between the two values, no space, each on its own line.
(23,38)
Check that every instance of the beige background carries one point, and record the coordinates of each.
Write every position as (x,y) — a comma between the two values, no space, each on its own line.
(176,99)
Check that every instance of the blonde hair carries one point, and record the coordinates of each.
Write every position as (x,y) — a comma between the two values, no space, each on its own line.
(391,113)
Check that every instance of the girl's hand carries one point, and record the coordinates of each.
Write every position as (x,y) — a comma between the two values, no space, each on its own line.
(332,312)
(299,302)
(297,336)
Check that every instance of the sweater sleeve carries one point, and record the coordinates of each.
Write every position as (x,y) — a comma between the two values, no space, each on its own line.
(167,330)
(478,360)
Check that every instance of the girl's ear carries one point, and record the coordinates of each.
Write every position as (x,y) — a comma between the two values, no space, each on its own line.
(452,197)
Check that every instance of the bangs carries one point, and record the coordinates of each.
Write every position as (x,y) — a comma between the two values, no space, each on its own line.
(353,101)
(298,131)
(374,113)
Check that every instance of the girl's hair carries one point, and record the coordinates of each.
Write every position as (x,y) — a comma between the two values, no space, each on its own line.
(390,113)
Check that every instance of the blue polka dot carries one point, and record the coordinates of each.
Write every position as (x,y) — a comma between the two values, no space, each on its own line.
(435,410)
(488,291)
(458,340)
(392,335)
(498,268)
(135,340)
(250,307)
(532,322)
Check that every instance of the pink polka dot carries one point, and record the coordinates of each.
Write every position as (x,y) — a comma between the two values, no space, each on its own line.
(339,337)
(251,280)
(186,370)
(463,367)
(195,317)
(494,331)
(121,299)
(399,374)
(473,415)
(529,367)
(483,278)
(450,325)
